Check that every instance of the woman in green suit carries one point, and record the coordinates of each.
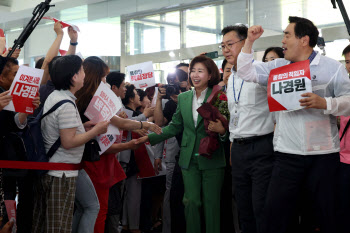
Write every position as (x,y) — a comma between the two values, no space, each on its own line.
(202,177)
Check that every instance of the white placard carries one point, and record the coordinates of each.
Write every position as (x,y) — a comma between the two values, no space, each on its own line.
(104,105)
(142,75)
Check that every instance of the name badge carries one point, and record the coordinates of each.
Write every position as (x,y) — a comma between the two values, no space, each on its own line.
(234,120)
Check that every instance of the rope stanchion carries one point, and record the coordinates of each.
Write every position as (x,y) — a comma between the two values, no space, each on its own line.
(39,165)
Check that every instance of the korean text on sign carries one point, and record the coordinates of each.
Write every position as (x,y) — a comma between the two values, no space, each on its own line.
(142,75)
(24,89)
(286,84)
(104,105)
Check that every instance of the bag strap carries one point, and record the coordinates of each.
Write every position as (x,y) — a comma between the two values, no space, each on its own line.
(345,129)
(57,144)
(57,105)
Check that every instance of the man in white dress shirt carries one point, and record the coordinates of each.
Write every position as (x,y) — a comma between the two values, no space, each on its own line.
(306,141)
(251,133)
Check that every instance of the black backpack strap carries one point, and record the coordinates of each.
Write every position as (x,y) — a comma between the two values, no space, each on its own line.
(345,129)
(57,144)
(57,105)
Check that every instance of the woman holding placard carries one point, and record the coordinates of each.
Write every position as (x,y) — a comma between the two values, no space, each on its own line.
(107,171)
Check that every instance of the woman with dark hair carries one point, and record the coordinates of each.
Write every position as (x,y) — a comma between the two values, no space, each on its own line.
(202,177)
(54,202)
(226,69)
(107,171)
(272,53)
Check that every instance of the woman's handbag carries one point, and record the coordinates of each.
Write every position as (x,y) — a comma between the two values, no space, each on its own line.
(91,151)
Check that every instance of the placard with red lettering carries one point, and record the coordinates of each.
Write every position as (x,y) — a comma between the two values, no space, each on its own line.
(286,84)
(75,28)
(142,75)
(105,141)
(11,212)
(104,105)
(24,88)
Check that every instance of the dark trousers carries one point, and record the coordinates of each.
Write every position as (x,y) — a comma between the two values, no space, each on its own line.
(25,199)
(227,223)
(317,173)
(178,222)
(252,163)
(343,215)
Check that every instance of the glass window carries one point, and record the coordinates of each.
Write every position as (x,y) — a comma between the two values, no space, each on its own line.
(204,25)
(154,33)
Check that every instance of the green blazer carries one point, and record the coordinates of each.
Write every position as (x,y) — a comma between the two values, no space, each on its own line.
(182,121)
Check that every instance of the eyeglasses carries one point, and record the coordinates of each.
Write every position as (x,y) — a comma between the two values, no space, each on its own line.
(228,46)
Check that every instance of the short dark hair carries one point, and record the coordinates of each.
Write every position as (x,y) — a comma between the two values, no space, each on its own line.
(39,63)
(129,94)
(181,75)
(182,64)
(224,62)
(304,27)
(63,70)
(115,78)
(141,93)
(240,29)
(346,50)
(6,65)
(277,50)
(211,67)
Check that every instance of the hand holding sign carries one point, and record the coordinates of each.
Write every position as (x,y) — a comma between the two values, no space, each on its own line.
(58,28)
(5,99)
(314,101)
(101,127)
(62,23)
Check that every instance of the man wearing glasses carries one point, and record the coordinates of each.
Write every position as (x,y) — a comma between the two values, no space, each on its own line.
(251,133)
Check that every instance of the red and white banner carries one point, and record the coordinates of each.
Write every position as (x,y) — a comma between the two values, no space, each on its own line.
(104,105)
(11,213)
(75,28)
(286,84)
(24,88)
(142,75)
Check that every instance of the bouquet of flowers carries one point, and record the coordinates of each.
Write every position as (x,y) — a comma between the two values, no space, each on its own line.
(215,108)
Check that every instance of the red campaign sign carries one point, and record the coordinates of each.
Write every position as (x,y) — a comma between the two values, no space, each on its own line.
(2,33)
(99,110)
(286,84)
(22,97)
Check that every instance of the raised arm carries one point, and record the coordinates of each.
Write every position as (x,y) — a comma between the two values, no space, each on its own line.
(73,35)
(53,51)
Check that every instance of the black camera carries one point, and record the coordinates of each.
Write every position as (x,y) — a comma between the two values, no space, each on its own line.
(171,89)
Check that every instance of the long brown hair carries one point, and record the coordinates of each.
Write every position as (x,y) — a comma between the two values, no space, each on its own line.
(95,69)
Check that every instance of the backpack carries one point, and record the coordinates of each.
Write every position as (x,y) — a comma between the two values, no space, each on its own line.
(33,139)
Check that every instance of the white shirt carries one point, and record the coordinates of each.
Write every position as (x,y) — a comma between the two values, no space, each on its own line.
(307,131)
(65,117)
(196,103)
(255,118)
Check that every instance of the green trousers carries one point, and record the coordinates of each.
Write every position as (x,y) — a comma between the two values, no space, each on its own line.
(202,187)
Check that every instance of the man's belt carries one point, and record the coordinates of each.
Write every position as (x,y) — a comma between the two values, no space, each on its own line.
(247,140)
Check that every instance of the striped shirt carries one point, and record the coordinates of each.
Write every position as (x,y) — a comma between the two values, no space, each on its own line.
(65,117)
